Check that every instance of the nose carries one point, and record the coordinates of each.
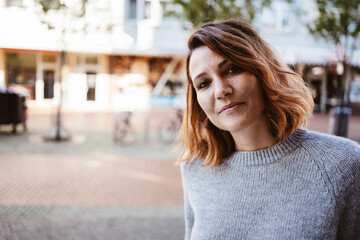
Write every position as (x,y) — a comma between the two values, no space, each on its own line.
(222,88)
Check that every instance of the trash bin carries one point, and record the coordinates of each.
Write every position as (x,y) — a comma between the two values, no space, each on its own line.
(341,117)
(12,109)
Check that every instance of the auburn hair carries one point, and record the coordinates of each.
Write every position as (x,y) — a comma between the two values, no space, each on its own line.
(288,101)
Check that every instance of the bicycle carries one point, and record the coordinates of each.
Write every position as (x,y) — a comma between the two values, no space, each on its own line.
(169,128)
(124,132)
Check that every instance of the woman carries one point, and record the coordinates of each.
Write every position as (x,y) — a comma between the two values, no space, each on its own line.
(249,170)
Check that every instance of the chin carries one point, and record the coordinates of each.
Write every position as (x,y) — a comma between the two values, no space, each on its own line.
(233,128)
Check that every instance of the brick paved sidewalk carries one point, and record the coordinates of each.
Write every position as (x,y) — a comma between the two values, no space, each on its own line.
(88,181)
(89,187)
(107,228)
(56,197)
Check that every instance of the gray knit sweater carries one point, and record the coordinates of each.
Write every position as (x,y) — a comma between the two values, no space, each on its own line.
(306,187)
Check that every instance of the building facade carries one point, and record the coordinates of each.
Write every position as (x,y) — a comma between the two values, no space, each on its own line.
(123,51)
(103,67)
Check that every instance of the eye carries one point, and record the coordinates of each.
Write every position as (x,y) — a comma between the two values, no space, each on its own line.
(233,69)
(202,84)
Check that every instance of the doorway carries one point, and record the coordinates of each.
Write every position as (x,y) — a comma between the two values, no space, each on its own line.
(91,85)
(49,79)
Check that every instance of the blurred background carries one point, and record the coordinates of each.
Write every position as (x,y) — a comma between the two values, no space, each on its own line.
(92,95)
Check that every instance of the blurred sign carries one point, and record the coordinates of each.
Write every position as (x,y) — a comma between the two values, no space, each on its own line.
(355,92)
(176,101)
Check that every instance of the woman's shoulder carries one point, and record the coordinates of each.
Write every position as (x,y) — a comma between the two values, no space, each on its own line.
(191,165)
(338,156)
(331,144)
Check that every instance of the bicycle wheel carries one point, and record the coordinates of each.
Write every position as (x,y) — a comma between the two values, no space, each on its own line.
(168,131)
(124,134)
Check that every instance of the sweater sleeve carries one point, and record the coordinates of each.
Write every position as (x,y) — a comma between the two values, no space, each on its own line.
(347,189)
(349,221)
(188,211)
(189,217)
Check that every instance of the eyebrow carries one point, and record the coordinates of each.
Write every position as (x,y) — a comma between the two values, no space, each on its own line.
(199,76)
(220,65)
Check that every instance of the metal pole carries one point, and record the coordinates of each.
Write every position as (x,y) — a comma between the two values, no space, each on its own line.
(343,110)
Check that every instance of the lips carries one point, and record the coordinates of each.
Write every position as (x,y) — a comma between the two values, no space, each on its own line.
(231,107)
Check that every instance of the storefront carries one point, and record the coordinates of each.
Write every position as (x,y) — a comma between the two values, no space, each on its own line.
(137,78)
(33,72)
(87,82)
(36,74)
(325,82)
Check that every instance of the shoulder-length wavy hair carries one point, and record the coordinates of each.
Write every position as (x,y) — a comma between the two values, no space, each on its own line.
(288,101)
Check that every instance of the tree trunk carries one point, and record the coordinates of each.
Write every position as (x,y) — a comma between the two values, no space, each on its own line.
(59,134)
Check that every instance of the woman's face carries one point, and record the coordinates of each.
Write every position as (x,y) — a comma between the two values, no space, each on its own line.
(229,96)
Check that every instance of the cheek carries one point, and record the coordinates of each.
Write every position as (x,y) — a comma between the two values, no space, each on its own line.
(260,99)
(204,102)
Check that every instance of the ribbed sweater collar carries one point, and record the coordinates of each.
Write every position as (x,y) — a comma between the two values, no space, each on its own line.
(268,155)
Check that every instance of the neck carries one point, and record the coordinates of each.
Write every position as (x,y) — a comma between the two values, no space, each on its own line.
(254,137)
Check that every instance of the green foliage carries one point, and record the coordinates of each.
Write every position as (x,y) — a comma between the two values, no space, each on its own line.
(337,19)
(50,5)
(58,5)
(74,16)
(196,12)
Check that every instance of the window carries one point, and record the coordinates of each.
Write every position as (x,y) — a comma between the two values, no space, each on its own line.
(279,18)
(91,60)
(147,10)
(164,6)
(21,70)
(269,18)
(49,58)
(88,60)
(14,3)
(132,9)
(286,21)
